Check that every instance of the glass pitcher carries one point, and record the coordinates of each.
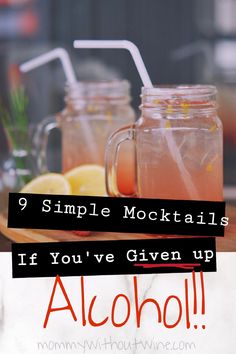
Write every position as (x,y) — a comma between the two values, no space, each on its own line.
(93,111)
(178,144)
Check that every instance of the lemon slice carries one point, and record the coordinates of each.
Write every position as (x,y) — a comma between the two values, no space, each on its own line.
(87,180)
(50,183)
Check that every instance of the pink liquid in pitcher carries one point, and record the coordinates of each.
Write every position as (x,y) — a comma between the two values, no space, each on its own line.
(75,151)
(201,153)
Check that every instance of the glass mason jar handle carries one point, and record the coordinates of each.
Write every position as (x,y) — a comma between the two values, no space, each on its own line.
(41,141)
(111,158)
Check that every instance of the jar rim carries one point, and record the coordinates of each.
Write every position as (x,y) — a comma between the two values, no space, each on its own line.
(183,91)
(111,88)
(179,99)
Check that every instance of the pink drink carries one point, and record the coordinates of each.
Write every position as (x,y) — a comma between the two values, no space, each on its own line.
(93,111)
(178,144)
(159,175)
(75,151)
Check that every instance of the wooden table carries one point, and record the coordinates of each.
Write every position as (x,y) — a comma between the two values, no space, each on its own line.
(7,236)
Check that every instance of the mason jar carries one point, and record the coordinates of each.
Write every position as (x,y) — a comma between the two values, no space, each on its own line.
(93,110)
(178,145)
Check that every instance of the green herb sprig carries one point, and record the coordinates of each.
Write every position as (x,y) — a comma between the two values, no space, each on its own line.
(16,124)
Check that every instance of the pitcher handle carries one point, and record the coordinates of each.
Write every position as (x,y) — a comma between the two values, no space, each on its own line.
(111,158)
(41,141)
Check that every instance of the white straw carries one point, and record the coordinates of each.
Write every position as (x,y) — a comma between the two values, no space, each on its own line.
(58,53)
(134,51)
(123,44)
(63,56)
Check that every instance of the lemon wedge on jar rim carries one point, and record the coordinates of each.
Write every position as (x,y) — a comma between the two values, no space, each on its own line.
(49,183)
(87,180)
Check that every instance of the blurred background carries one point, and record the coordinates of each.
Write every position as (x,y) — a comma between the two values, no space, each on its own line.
(184,41)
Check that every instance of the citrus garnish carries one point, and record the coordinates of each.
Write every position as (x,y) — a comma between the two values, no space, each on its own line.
(168,125)
(87,180)
(185,107)
(213,128)
(50,183)
(209,168)
(169,109)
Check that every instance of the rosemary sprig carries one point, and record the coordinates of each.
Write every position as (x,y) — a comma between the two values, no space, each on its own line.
(16,125)
(18,103)
(4,114)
